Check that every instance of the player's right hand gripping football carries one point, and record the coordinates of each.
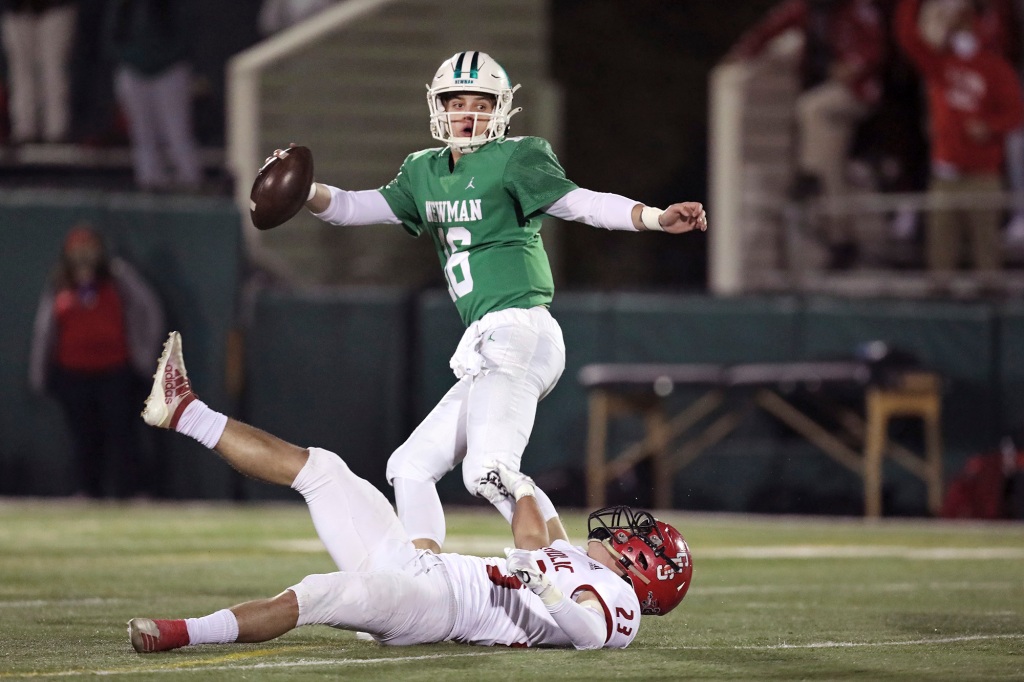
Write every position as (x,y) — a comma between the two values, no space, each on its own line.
(523,566)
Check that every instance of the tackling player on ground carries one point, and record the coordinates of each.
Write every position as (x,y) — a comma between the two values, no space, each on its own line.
(480,200)
(547,592)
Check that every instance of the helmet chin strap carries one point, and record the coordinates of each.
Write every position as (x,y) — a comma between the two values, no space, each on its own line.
(623,561)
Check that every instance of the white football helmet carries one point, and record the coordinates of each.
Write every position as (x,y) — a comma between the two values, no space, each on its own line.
(474,72)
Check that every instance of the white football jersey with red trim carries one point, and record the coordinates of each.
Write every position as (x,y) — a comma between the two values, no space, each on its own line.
(495,608)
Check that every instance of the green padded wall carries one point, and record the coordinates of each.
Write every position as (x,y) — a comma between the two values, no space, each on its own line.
(956,339)
(665,328)
(330,370)
(189,249)
(355,370)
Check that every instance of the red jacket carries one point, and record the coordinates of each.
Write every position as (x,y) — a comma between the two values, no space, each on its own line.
(983,87)
(90,329)
(997,27)
(856,36)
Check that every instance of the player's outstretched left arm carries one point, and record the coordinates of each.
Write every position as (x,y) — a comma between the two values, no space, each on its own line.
(616,212)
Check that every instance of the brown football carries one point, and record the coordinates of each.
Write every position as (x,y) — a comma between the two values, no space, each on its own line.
(281,187)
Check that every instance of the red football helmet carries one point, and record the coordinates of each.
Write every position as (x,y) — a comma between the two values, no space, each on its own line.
(655,556)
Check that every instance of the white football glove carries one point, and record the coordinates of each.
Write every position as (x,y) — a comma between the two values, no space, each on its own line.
(522,565)
(516,483)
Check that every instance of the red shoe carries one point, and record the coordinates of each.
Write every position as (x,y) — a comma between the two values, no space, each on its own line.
(172,391)
(157,635)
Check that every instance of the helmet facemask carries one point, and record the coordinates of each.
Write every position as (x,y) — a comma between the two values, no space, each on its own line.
(470,73)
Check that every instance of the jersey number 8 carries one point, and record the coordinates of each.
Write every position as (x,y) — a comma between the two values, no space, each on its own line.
(456,268)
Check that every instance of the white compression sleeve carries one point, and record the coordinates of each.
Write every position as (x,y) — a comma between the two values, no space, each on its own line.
(362,207)
(599,209)
(584,626)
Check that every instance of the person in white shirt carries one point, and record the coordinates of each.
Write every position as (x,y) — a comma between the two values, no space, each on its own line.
(546,592)
(277,15)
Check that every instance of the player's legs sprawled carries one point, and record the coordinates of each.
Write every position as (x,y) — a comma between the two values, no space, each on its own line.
(385,587)
(355,522)
(410,603)
(353,518)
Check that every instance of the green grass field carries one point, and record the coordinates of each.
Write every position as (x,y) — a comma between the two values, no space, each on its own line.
(772,598)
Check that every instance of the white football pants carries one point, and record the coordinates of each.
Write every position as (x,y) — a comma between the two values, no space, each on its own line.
(38,47)
(507,362)
(159,111)
(385,586)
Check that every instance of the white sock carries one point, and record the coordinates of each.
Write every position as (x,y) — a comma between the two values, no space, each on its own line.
(420,510)
(200,422)
(547,509)
(217,628)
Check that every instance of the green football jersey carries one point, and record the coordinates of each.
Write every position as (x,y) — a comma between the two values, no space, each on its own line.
(484,219)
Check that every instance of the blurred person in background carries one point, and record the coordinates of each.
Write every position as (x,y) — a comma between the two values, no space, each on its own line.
(277,15)
(1000,25)
(37,37)
(844,52)
(97,327)
(974,101)
(149,40)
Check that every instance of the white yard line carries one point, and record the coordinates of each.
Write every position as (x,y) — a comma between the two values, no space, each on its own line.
(862,552)
(700,588)
(198,666)
(852,645)
(42,603)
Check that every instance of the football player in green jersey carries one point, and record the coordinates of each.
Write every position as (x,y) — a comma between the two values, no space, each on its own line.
(480,199)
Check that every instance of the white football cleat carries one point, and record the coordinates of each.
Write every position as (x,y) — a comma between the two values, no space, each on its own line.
(491,488)
(172,391)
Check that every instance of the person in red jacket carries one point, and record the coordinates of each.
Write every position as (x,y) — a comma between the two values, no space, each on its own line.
(1000,26)
(974,100)
(97,326)
(844,52)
